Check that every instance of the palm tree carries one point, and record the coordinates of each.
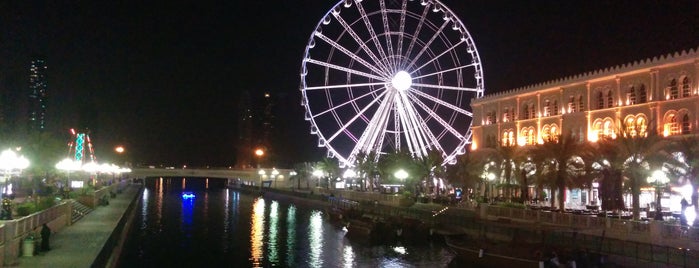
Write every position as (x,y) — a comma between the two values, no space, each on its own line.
(468,170)
(304,171)
(330,168)
(429,167)
(632,154)
(563,156)
(367,168)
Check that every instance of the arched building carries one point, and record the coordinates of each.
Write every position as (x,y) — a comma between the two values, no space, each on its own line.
(661,92)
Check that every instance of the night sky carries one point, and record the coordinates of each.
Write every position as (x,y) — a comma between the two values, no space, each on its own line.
(164,78)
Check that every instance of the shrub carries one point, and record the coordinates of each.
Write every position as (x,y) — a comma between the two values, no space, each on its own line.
(26,209)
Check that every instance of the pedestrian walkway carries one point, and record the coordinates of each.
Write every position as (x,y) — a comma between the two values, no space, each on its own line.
(79,244)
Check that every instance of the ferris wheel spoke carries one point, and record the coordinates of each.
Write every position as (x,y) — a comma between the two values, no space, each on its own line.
(410,140)
(434,141)
(447,87)
(436,117)
(401,29)
(417,30)
(436,57)
(444,71)
(420,127)
(411,126)
(377,125)
(360,42)
(344,69)
(428,44)
(387,31)
(348,102)
(355,117)
(372,33)
(346,86)
(351,55)
(441,102)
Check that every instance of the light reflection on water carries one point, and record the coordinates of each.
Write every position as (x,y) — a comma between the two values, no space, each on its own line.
(225,228)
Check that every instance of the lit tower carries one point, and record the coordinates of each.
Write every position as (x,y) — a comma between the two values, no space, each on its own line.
(37,95)
(80,147)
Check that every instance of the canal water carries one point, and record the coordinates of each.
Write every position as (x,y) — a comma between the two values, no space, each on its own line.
(219,227)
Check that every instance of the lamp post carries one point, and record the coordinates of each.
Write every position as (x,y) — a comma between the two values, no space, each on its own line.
(659,180)
(401,174)
(259,153)
(9,161)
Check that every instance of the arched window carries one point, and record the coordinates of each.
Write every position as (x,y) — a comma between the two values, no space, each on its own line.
(631,96)
(555,107)
(525,112)
(547,108)
(511,138)
(673,90)
(581,108)
(571,104)
(630,126)
(672,127)
(600,100)
(531,136)
(554,132)
(642,95)
(608,130)
(610,99)
(532,112)
(642,126)
(686,92)
(546,133)
(686,127)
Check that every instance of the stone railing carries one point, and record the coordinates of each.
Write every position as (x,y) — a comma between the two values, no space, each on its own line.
(13,232)
(656,232)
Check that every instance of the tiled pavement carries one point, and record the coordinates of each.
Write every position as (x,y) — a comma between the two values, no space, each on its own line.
(79,244)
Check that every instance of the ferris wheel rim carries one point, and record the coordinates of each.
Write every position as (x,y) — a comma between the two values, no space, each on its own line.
(383,79)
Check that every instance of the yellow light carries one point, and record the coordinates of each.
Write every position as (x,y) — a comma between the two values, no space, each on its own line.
(119,149)
(259,152)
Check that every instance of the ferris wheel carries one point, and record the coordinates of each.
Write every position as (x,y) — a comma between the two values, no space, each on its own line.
(389,75)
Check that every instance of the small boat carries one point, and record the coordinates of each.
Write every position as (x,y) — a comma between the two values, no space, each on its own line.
(483,253)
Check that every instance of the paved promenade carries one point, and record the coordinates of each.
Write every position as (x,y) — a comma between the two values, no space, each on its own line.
(79,244)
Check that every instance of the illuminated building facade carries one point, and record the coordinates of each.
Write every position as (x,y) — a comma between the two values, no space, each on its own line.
(661,92)
(37,95)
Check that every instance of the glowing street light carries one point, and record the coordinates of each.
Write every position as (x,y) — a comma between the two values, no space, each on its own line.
(318,174)
(259,153)
(401,174)
(119,149)
(9,162)
(490,177)
(659,180)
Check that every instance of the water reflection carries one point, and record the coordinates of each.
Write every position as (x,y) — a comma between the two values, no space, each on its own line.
(291,236)
(232,229)
(257,232)
(273,219)
(315,238)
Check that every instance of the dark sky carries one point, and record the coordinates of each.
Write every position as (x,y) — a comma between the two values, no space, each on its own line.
(164,78)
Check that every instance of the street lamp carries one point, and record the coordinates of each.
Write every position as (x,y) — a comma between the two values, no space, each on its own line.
(9,161)
(401,174)
(658,179)
(259,153)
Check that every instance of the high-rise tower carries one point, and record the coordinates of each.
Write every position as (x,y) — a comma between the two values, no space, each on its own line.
(37,95)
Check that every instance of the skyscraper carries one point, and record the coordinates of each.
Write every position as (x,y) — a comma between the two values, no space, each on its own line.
(37,95)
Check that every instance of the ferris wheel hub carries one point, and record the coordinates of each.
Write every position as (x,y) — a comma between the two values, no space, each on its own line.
(402,81)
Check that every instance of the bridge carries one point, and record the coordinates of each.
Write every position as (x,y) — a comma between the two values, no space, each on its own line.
(248,176)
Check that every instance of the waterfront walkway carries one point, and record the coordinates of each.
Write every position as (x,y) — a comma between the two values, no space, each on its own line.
(79,244)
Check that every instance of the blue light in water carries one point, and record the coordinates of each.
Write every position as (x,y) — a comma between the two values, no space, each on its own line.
(188,195)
